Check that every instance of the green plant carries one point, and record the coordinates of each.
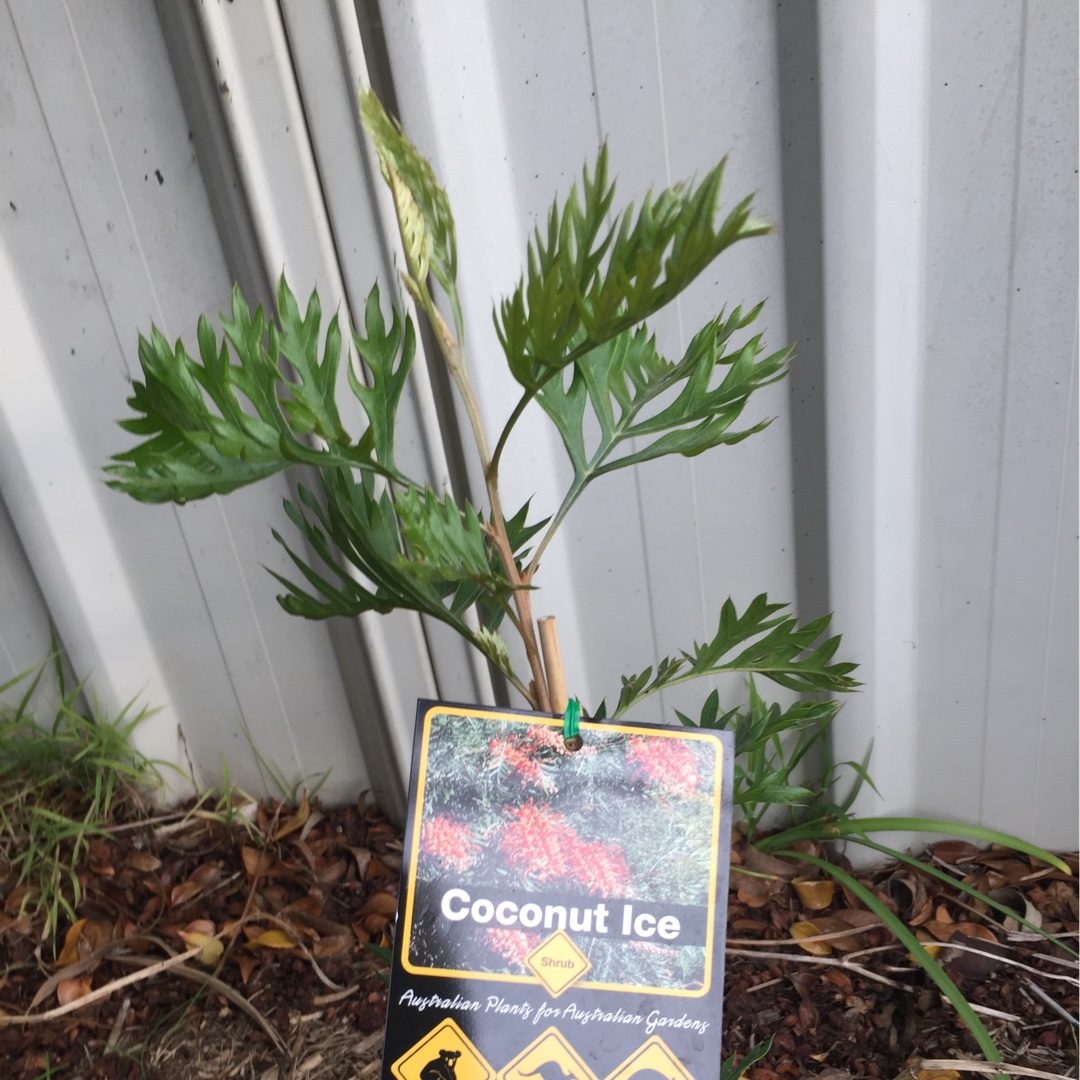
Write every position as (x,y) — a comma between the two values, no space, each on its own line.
(730,1070)
(60,786)
(574,337)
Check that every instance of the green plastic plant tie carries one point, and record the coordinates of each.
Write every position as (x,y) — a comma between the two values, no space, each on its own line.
(571,718)
(570,729)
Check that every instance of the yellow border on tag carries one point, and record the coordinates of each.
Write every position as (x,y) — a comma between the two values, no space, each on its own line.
(586,726)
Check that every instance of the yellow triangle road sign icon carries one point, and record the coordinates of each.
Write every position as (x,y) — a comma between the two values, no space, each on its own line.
(558,963)
(649,1060)
(549,1057)
(444,1053)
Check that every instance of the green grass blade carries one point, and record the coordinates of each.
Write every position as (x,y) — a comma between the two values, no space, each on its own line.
(838,830)
(732,1071)
(941,875)
(914,946)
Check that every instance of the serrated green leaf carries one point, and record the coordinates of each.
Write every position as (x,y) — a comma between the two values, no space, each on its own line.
(213,426)
(623,381)
(775,646)
(311,391)
(446,543)
(379,351)
(586,282)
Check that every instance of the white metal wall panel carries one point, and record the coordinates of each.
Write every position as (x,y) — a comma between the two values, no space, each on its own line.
(112,230)
(25,638)
(873,71)
(948,151)
(949,146)
(1030,746)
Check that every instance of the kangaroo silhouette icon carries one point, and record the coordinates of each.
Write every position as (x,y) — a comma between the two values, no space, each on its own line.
(550,1070)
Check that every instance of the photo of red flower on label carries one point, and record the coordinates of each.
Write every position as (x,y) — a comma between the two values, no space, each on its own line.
(518,839)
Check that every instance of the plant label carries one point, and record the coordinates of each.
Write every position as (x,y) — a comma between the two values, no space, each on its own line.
(562,913)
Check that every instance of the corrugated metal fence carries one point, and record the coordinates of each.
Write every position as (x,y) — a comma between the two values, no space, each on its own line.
(920,477)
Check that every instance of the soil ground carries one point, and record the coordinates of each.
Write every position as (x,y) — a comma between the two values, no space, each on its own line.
(287,903)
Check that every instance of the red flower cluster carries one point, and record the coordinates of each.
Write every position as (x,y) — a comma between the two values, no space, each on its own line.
(540,842)
(667,763)
(451,842)
(602,869)
(512,945)
(521,759)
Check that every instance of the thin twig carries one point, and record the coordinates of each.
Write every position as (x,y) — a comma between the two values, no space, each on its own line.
(963,1065)
(1039,992)
(1007,960)
(825,960)
(997,1014)
(204,978)
(831,936)
(111,1044)
(104,991)
(1054,960)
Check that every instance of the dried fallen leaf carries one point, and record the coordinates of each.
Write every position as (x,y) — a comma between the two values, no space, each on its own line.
(186,890)
(13,903)
(363,857)
(801,930)
(975,930)
(975,965)
(927,941)
(332,873)
(830,924)
(378,867)
(375,923)
(956,851)
(257,863)
(761,863)
(332,946)
(815,894)
(69,990)
(200,934)
(297,821)
(941,931)
(755,926)
(908,890)
(310,905)
(272,939)
(143,861)
(380,903)
(247,965)
(752,891)
(70,952)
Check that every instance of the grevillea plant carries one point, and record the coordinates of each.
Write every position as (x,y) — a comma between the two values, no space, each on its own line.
(574,336)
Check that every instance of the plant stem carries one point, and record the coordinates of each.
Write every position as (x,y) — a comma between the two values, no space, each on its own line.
(455,361)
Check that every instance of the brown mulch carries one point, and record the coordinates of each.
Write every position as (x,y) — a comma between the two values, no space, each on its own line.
(286,907)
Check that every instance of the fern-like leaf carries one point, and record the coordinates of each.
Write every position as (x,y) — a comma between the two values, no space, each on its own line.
(586,283)
(209,428)
(771,645)
(622,381)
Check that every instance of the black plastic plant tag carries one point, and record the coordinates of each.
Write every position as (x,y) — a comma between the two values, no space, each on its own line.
(562,914)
